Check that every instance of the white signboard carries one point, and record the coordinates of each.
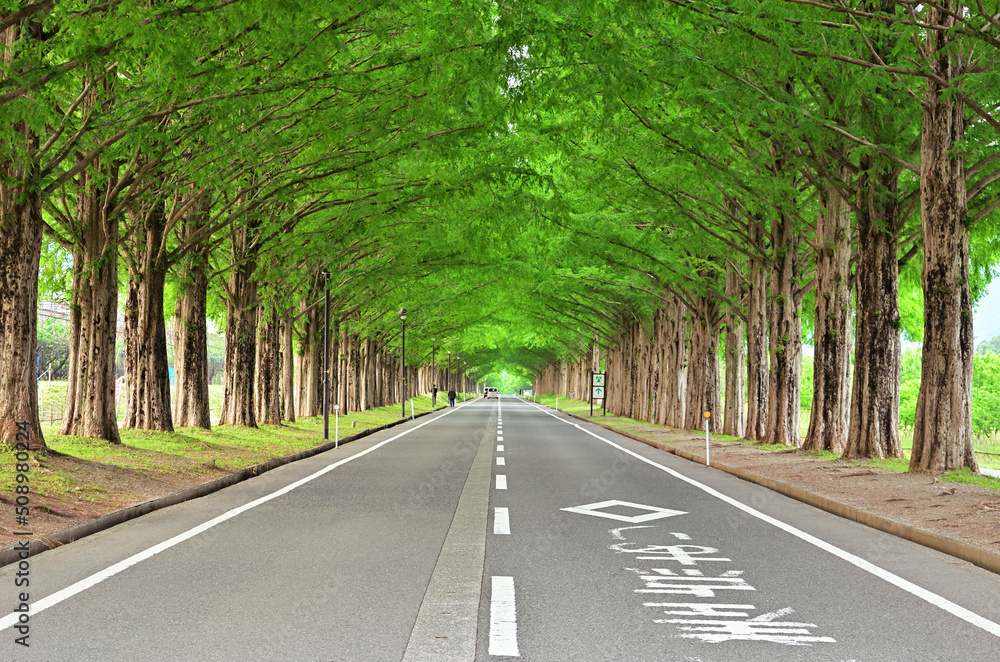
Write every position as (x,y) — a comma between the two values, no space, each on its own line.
(598,393)
(598,379)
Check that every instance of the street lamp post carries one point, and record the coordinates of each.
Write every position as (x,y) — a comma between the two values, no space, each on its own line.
(402,316)
(326,355)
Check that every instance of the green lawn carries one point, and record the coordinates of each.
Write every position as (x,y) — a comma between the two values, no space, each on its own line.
(188,451)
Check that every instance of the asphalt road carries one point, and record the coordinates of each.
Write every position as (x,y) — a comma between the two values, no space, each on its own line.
(495,530)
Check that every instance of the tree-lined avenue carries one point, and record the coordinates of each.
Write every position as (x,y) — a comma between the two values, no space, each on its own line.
(615,551)
(685,195)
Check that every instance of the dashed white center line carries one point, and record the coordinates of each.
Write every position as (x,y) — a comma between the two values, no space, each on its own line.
(500,448)
(501,482)
(501,462)
(499,438)
(501,522)
(503,618)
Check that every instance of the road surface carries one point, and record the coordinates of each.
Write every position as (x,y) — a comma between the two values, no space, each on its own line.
(496,530)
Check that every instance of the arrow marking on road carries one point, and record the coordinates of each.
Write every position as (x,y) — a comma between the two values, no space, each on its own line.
(652,512)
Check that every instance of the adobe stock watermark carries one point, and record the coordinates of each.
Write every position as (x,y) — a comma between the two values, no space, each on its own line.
(22,516)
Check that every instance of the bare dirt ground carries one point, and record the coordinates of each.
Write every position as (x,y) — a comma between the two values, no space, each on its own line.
(102,489)
(967,513)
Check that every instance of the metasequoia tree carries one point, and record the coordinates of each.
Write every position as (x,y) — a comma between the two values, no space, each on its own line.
(942,433)
(20,252)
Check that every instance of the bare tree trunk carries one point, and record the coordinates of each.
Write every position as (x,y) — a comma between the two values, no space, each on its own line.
(72,383)
(942,434)
(874,420)
(287,366)
(785,333)
(20,253)
(829,418)
(703,368)
(241,335)
(147,380)
(734,423)
(191,352)
(673,332)
(93,406)
(311,363)
(757,348)
(191,404)
(269,367)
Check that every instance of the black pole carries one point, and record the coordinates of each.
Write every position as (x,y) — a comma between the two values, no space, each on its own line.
(448,380)
(591,393)
(326,356)
(404,367)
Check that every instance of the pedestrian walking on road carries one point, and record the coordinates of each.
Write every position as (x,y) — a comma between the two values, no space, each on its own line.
(451,397)
(434,395)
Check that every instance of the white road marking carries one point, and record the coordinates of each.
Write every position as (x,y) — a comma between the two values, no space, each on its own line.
(501,522)
(98,577)
(617,533)
(499,438)
(501,482)
(503,618)
(500,448)
(595,510)
(869,567)
(501,462)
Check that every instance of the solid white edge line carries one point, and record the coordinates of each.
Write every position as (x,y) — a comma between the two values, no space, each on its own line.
(501,521)
(98,577)
(897,581)
(503,618)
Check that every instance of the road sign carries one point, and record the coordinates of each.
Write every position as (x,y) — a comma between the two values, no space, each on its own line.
(598,393)
(598,379)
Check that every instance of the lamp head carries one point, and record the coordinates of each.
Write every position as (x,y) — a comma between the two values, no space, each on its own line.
(402,314)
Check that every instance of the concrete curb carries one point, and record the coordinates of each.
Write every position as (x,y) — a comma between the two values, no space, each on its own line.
(981,557)
(39,544)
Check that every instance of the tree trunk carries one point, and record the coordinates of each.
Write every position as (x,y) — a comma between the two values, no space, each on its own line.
(785,333)
(287,366)
(942,434)
(91,412)
(310,362)
(672,332)
(874,420)
(20,253)
(829,418)
(269,367)
(241,334)
(147,379)
(734,423)
(703,368)
(72,383)
(191,404)
(757,368)
(191,352)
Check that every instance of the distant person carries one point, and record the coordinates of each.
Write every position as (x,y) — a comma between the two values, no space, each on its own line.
(451,397)
(434,395)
